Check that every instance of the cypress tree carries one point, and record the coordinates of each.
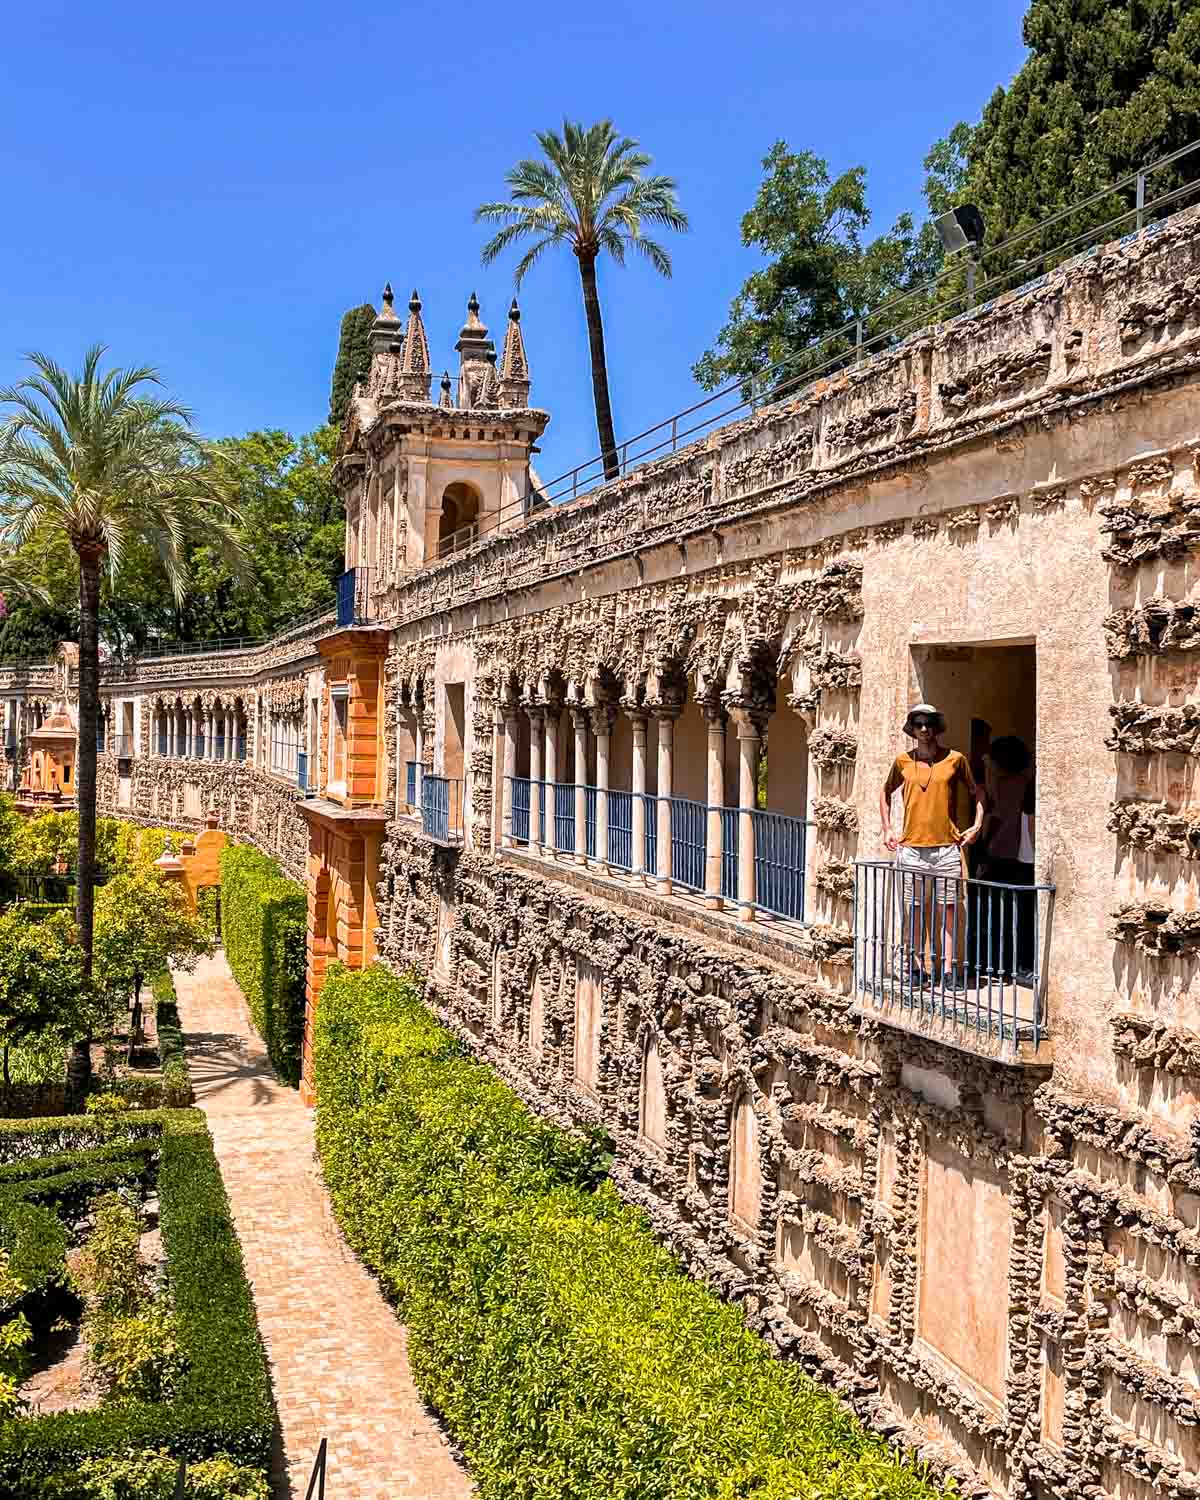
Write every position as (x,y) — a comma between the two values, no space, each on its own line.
(1108,86)
(353,359)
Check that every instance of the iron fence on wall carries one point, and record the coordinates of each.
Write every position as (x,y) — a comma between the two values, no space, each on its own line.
(969,952)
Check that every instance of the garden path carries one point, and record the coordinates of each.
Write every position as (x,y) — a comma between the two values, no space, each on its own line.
(337,1351)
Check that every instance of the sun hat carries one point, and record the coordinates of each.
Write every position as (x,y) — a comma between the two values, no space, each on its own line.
(939,718)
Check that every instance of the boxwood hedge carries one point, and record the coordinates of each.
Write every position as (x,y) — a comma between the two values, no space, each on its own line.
(223,1404)
(264,918)
(566,1350)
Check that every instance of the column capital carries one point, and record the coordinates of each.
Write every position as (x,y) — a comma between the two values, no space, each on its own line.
(533,708)
(664,709)
(714,712)
(580,713)
(750,718)
(603,717)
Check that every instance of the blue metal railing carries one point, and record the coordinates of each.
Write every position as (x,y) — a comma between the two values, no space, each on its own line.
(968,952)
(162,742)
(220,755)
(780,841)
(410,783)
(521,797)
(650,838)
(198,750)
(564,816)
(354,605)
(441,808)
(689,842)
(620,830)
(239,749)
(729,854)
(780,846)
(302,770)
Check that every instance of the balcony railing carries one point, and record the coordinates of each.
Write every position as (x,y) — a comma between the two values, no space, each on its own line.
(442,808)
(780,842)
(354,603)
(973,953)
(302,770)
(410,783)
(239,749)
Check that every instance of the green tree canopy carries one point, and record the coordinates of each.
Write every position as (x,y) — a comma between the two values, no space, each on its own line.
(291,533)
(353,360)
(1108,86)
(42,984)
(821,272)
(142,925)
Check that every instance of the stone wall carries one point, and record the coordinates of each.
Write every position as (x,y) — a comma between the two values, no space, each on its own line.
(991,1252)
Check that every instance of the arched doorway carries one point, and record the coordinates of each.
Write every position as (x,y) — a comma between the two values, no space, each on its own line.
(459,520)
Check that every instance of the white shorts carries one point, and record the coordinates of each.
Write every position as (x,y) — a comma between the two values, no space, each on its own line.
(943,861)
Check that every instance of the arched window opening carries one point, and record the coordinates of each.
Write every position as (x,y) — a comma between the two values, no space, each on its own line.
(459,520)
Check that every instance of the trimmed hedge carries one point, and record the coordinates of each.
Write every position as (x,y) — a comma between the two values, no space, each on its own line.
(264,920)
(172,1059)
(223,1403)
(566,1350)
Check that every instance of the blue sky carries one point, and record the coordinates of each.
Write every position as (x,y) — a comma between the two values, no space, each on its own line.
(207,188)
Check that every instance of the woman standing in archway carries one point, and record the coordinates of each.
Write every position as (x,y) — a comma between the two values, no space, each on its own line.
(938,792)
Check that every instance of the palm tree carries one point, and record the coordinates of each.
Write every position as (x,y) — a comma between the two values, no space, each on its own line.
(109,464)
(589,193)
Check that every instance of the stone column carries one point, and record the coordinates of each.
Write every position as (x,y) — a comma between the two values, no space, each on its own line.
(508,722)
(665,714)
(637,861)
(749,743)
(210,720)
(602,722)
(549,834)
(714,852)
(579,721)
(536,801)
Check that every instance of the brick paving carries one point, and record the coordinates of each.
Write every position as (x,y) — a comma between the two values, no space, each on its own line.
(336,1348)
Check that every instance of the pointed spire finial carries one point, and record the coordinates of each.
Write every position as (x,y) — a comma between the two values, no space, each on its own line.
(388,297)
(414,375)
(473,303)
(514,365)
(444,399)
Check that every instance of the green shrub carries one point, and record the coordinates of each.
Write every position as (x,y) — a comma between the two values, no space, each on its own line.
(151,1475)
(69,1160)
(177,1081)
(566,1350)
(206,910)
(36,1242)
(38,911)
(107,1102)
(264,919)
(222,1402)
(128,1327)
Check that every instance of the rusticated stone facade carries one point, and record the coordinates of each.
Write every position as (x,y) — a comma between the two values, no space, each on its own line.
(987,1239)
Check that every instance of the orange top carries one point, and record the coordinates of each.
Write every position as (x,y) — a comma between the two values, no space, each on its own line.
(935,795)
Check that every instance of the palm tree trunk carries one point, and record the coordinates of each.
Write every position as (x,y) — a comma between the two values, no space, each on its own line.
(604,421)
(79,1070)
